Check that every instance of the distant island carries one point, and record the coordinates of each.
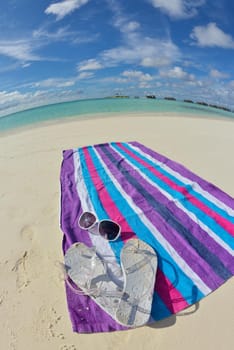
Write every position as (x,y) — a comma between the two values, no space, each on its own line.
(188,101)
(170,98)
(119,96)
(151,96)
(202,103)
(221,107)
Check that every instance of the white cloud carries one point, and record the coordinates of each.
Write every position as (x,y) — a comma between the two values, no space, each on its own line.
(212,36)
(134,78)
(64,8)
(113,79)
(85,75)
(25,65)
(10,67)
(63,34)
(21,50)
(137,48)
(82,38)
(131,26)
(121,21)
(158,53)
(137,75)
(145,85)
(12,99)
(8,97)
(144,51)
(178,8)
(91,64)
(58,83)
(54,83)
(177,73)
(40,93)
(15,101)
(214,73)
(125,26)
(24,50)
(60,34)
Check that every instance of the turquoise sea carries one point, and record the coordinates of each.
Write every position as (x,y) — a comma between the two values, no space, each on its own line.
(81,108)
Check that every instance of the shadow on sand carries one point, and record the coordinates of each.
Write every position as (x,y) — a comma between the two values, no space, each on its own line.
(171,320)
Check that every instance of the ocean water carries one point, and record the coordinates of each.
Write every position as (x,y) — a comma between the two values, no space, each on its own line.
(81,108)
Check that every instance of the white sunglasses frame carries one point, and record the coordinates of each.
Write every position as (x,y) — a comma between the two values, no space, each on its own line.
(98,227)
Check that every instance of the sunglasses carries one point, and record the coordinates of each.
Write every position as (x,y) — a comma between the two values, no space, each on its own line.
(106,228)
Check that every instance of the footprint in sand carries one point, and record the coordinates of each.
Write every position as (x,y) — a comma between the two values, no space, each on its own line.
(27,233)
(53,324)
(48,322)
(8,333)
(68,347)
(19,268)
(13,341)
(3,296)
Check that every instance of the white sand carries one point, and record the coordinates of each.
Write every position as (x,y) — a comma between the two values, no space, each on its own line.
(33,311)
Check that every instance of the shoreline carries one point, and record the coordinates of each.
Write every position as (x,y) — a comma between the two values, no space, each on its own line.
(32,296)
(101,115)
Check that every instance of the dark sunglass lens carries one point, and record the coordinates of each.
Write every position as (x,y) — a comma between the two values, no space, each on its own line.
(87,220)
(109,230)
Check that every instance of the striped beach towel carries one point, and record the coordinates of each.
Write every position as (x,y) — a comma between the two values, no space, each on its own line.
(187,220)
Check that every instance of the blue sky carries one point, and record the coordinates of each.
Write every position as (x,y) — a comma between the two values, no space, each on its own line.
(54,51)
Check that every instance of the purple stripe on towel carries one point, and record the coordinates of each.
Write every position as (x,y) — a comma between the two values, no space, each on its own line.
(86,316)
